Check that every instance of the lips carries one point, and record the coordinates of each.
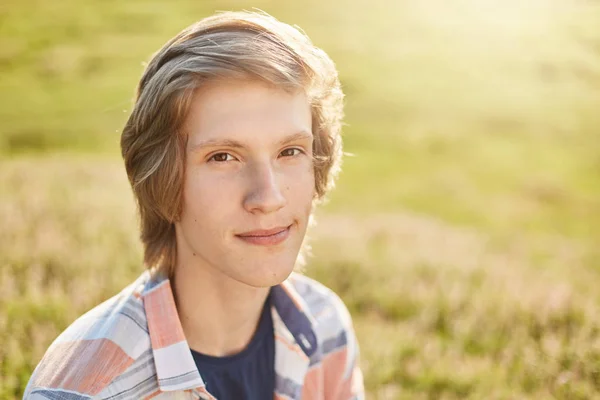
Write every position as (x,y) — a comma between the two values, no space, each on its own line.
(264,232)
(266,237)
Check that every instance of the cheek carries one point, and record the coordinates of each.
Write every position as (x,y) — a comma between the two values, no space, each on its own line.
(192,194)
(301,187)
(205,195)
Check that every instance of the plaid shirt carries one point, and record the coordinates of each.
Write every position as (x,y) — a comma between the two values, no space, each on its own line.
(132,346)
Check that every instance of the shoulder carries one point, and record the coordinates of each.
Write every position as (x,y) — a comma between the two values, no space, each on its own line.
(339,350)
(332,321)
(95,349)
(322,303)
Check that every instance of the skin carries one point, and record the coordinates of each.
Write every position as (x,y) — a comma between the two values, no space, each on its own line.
(263,180)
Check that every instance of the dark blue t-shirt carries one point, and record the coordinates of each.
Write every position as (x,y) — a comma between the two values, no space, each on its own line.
(249,374)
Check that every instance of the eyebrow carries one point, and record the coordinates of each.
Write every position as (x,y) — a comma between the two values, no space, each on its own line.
(236,144)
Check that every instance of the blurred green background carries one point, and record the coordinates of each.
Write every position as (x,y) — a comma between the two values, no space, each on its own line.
(464,234)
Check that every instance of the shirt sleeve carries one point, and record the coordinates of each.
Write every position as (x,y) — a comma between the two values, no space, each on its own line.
(344,379)
(352,386)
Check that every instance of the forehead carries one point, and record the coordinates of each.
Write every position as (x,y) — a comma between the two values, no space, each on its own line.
(246,110)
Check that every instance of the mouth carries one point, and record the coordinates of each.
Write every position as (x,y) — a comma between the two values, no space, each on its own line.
(266,237)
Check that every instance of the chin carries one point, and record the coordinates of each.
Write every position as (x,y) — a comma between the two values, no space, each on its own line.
(268,277)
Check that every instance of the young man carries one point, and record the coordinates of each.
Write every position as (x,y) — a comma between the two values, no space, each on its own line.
(234,137)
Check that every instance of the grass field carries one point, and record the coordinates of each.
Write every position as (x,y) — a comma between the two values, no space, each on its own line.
(464,234)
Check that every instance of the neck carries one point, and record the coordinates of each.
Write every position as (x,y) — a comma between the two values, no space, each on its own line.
(219,315)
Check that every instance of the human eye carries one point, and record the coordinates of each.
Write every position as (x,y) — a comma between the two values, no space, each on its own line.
(291,152)
(221,157)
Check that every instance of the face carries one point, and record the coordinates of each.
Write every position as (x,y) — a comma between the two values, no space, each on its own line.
(249,181)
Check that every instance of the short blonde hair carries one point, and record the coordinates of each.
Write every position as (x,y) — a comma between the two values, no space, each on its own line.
(230,45)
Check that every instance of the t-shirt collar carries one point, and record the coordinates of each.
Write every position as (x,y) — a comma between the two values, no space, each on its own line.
(175,366)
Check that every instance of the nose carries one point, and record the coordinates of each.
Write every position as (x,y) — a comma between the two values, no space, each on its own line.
(264,192)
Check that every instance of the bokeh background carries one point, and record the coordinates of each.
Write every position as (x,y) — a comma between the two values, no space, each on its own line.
(464,234)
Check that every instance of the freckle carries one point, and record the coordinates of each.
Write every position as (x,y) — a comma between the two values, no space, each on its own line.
(194,254)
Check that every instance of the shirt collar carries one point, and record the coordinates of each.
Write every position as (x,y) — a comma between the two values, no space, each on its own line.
(175,366)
